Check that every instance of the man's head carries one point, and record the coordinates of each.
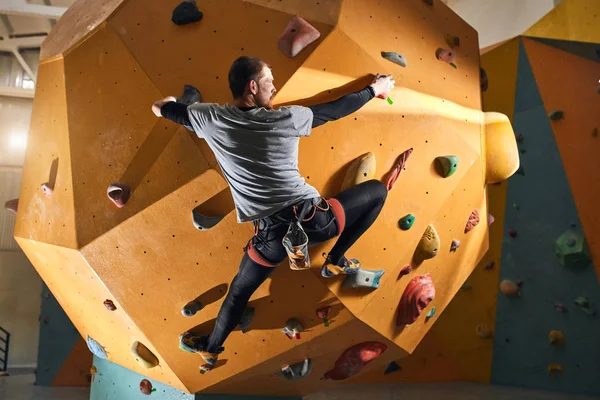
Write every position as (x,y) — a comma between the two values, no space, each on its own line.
(251,82)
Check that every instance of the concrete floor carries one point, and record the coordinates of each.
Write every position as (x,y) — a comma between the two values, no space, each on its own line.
(438,391)
(19,386)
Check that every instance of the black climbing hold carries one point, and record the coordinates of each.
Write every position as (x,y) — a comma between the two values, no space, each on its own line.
(521,171)
(190,95)
(453,41)
(595,132)
(191,308)
(483,79)
(186,13)
(556,115)
(429,2)
(392,367)
(246,319)
(394,57)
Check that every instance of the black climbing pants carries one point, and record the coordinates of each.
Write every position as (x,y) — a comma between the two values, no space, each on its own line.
(348,214)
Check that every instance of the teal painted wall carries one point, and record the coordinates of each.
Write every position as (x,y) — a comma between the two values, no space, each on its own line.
(546,209)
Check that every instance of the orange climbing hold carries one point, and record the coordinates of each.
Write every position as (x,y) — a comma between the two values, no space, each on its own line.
(418,294)
(298,34)
(354,359)
(398,167)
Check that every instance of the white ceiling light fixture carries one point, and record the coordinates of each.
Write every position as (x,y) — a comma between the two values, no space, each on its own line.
(18,140)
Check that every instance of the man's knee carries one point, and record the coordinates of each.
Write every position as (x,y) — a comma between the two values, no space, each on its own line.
(377,189)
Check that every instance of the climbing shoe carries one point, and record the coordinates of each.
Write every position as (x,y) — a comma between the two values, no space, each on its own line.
(347,267)
(198,344)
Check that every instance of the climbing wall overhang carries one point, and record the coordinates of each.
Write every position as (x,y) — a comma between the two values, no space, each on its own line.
(92,125)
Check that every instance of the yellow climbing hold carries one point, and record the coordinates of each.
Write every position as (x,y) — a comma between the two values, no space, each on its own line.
(556,338)
(143,355)
(552,368)
(483,331)
(361,170)
(429,244)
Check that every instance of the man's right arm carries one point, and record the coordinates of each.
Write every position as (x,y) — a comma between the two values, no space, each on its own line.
(176,112)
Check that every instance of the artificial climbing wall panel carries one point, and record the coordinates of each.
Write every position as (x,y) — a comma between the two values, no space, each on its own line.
(540,208)
(150,260)
(568,83)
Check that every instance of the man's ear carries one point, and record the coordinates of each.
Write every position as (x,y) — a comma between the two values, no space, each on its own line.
(253,86)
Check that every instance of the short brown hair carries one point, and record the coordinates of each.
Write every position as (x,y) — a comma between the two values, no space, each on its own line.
(243,70)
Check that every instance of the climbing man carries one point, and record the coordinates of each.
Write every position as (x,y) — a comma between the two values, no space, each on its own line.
(256,147)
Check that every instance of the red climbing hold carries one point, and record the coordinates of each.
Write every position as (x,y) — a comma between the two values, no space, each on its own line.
(445,55)
(297,35)
(118,193)
(146,387)
(47,189)
(354,359)
(473,221)
(560,307)
(324,312)
(519,137)
(512,233)
(491,219)
(489,265)
(110,306)
(418,294)
(406,270)
(12,205)
(398,167)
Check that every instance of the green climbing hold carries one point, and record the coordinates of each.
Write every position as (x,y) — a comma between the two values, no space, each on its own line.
(431,313)
(446,165)
(390,101)
(453,65)
(406,222)
(556,115)
(572,250)
(392,367)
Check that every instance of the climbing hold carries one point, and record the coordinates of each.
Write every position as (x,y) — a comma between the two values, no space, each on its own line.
(202,222)
(584,304)
(190,95)
(293,328)
(472,222)
(560,307)
(512,233)
(390,101)
(93,372)
(516,206)
(445,55)
(446,165)
(118,193)
(323,313)
(246,319)
(205,368)
(47,189)
(595,132)
(191,308)
(363,278)
(491,219)
(509,288)
(398,167)
(360,170)
(453,41)
(186,12)
(146,387)
(298,34)
(143,355)
(453,65)
(405,271)
(572,250)
(392,367)
(298,370)
(489,265)
(519,137)
(12,205)
(354,359)
(455,245)
(556,115)
(483,331)
(110,306)
(418,294)
(96,348)
(483,80)
(394,57)
(465,287)
(428,245)
(406,222)
(552,368)
(431,313)
(521,171)
(556,338)
(429,2)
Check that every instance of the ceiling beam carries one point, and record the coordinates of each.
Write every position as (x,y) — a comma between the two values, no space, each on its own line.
(20,7)
(21,43)
(24,64)
(16,92)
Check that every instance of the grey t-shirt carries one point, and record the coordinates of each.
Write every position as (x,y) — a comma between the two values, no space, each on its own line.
(258,154)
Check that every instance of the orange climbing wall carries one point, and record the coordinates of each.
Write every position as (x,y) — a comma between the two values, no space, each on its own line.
(92,112)
(567,82)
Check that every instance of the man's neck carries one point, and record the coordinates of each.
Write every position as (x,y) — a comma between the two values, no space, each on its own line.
(244,102)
